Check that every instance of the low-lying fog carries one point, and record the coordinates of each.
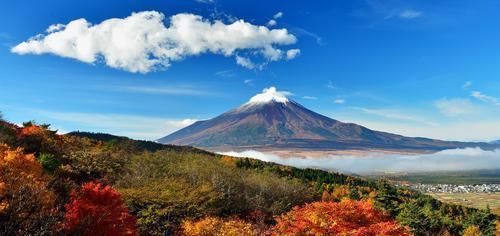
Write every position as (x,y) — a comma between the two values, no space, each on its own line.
(447,160)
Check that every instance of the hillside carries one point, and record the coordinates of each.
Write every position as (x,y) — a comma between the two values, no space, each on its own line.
(271,120)
(135,187)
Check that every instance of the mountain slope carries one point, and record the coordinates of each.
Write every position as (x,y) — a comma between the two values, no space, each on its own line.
(270,120)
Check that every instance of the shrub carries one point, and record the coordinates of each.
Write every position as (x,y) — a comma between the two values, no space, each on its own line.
(347,217)
(97,209)
(217,226)
(26,204)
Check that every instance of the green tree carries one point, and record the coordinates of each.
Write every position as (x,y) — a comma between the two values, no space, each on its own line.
(49,162)
(484,220)
(412,215)
(387,197)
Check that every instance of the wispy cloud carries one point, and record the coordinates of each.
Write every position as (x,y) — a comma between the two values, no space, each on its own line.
(455,106)
(409,14)
(339,101)
(301,31)
(486,98)
(205,1)
(331,85)
(456,130)
(139,127)
(164,90)
(395,115)
(248,82)
(467,84)
(226,73)
(391,11)
(310,97)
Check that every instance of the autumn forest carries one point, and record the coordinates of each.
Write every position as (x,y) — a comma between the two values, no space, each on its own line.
(98,184)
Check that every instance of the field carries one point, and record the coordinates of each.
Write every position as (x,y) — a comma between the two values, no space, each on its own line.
(476,200)
(445,177)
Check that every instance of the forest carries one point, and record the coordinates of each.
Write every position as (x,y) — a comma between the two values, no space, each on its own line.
(99,184)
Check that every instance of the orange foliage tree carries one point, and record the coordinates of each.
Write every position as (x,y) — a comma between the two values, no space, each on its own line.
(25,201)
(348,217)
(98,210)
(34,138)
(217,226)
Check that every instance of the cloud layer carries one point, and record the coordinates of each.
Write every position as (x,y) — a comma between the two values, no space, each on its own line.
(447,160)
(142,42)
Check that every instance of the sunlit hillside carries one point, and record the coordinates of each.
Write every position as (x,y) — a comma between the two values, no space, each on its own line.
(86,183)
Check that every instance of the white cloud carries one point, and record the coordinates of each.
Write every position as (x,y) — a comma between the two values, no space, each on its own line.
(455,107)
(292,53)
(270,94)
(54,28)
(410,14)
(272,54)
(310,97)
(467,84)
(447,160)
(245,62)
(486,98)
(278,15)
(339,101)
(142,42)
(271,23)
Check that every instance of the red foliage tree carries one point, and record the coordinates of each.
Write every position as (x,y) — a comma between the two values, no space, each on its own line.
(98,210)
(348,217)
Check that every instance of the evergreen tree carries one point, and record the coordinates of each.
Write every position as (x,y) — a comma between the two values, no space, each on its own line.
(387,197)
(413,216)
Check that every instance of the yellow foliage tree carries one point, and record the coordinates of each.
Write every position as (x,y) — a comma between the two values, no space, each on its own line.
(209,226)
(472,230)
(339,192)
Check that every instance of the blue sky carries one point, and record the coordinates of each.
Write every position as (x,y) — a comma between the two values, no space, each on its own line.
(418,68)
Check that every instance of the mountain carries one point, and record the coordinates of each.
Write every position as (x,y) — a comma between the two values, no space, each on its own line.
(271,120)
(495,142)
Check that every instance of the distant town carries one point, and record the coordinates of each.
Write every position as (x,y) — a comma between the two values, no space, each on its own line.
(456,188)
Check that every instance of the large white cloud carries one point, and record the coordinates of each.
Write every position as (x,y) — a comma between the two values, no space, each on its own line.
(142,42)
